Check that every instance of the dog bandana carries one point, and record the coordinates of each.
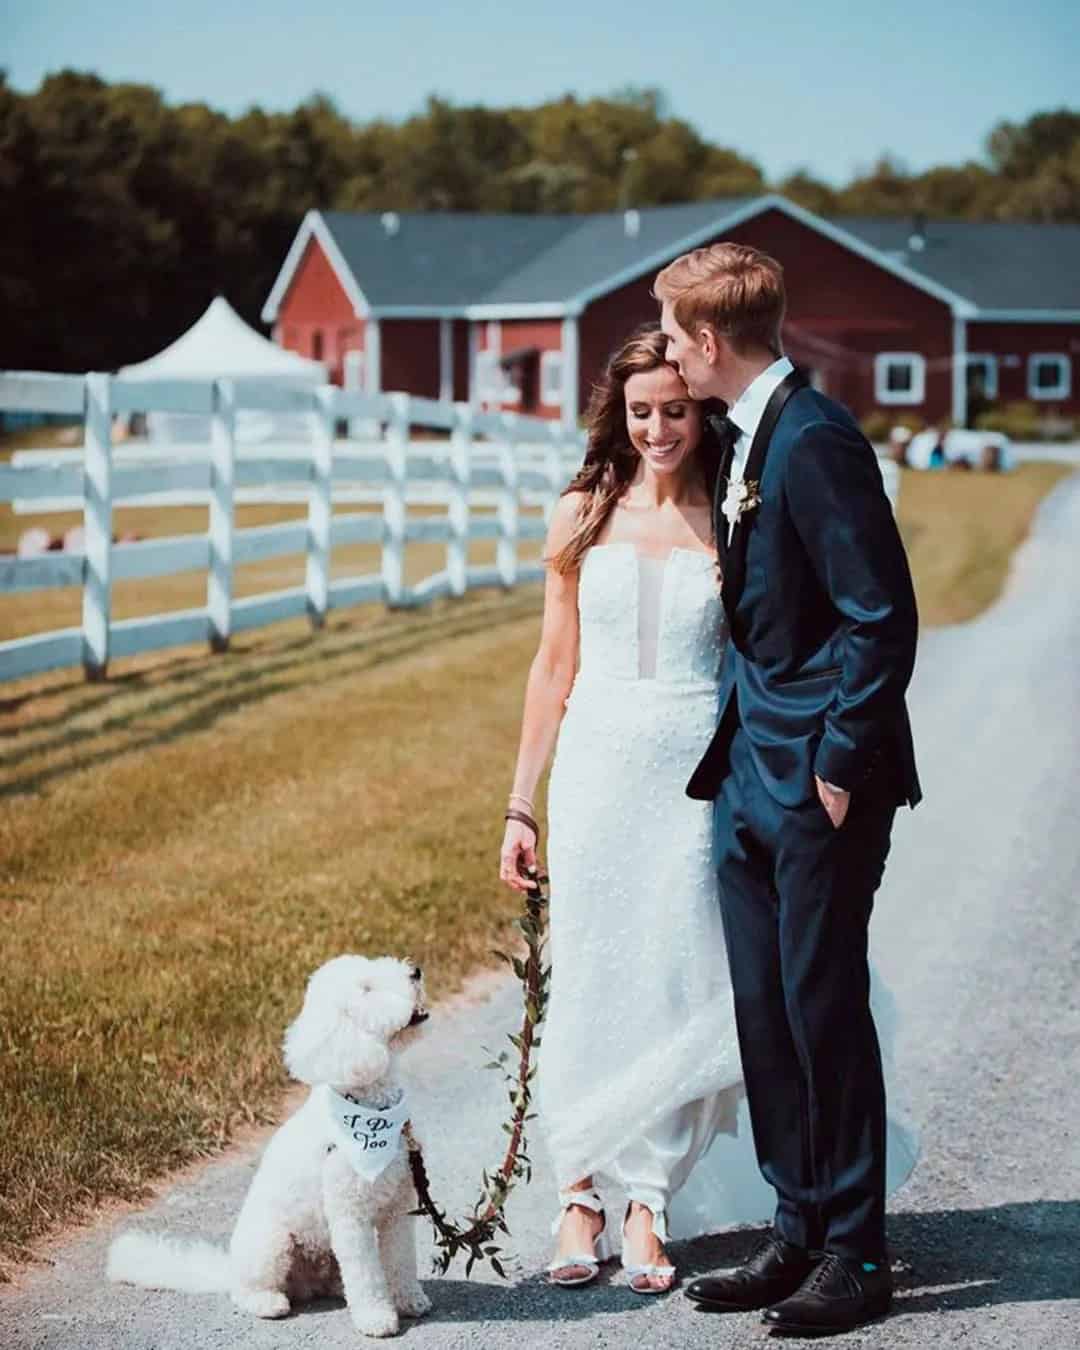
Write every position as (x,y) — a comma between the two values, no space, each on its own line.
(369,1136)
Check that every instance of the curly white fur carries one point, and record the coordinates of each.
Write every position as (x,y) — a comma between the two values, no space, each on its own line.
(309,1224)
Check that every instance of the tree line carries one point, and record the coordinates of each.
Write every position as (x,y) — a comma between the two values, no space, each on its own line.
(123,216)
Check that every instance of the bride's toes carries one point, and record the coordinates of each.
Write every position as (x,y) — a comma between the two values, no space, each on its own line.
(653,1284)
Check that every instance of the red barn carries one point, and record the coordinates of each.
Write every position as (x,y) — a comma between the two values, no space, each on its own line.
(521,312)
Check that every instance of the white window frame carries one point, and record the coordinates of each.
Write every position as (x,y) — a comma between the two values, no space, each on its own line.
(493,385)
(917,364)
(990,362)
(551,379)
(1062,389)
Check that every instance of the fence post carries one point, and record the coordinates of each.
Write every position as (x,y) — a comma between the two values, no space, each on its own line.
(553,466)
(97,526)
(394,507)
(457,548)
(319,508)
(219,581)
(506,558)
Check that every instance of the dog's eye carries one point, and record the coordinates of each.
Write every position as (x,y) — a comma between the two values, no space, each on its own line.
(415,973)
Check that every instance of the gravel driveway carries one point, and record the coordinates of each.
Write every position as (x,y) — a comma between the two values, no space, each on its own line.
(978,933)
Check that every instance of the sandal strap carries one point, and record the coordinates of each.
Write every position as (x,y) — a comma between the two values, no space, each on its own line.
(575,1259)
(659,1219)
(662,1272)
(587,1199)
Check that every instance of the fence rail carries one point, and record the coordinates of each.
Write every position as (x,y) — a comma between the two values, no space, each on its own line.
(489,459)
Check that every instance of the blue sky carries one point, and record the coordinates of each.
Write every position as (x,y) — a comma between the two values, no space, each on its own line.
(828,86)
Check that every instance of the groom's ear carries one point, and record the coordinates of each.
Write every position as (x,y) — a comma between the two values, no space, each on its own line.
(708,343)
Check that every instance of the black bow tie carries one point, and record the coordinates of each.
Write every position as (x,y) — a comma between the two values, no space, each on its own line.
(727,433)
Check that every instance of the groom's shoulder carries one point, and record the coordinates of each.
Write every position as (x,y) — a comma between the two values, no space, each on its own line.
(812,419)
(810,407)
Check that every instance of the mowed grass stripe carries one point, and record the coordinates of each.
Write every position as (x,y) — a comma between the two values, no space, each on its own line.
(181,846)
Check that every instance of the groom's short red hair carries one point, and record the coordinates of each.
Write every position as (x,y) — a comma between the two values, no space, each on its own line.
(737,290)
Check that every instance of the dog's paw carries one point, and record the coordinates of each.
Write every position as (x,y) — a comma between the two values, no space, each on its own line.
(414,1303)
(262,1302)
(375,1319)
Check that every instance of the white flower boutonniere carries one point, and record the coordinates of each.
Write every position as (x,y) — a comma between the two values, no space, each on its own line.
(741,497)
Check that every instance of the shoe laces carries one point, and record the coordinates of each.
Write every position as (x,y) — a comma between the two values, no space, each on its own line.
(825,1273)
(764,1248)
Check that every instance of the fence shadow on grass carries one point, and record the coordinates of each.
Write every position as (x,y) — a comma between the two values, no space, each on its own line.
(214,687)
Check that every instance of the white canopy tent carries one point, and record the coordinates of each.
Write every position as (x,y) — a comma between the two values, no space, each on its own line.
(220,345)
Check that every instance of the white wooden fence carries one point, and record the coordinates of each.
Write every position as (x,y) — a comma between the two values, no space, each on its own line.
(491,457)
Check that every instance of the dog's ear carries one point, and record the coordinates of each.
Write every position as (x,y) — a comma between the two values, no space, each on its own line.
(335,1052)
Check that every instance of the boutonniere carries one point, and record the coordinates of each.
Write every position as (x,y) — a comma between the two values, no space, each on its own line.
(742,496)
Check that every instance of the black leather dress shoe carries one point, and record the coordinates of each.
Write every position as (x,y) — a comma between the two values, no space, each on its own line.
(775,1270)
(837,1296)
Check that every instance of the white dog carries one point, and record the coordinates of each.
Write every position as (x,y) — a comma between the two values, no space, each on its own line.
(328,1209)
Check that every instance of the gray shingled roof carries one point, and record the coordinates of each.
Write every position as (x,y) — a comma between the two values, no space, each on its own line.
(443,259)
(995,264)
(600,247)
(440,258)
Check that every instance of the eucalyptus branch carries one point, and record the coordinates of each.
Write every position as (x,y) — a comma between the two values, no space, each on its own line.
(478,1238)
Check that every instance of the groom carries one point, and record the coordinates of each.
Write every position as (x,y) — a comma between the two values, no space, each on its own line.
(811,758)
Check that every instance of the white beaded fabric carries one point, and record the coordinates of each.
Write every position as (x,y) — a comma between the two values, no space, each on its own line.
(639,1044)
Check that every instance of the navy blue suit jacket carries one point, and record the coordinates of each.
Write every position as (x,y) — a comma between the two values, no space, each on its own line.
(821,609)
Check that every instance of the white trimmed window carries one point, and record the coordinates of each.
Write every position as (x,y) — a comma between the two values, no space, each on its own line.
(1049,375)
(899,377)
(493,384)
(551,375)
(983,374)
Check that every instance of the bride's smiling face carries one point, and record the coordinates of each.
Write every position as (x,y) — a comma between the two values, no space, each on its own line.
(663,421)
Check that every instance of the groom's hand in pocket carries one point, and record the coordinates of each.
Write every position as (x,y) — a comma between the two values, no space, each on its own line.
(835,801)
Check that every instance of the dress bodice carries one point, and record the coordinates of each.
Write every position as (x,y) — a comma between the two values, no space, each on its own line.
(649,618)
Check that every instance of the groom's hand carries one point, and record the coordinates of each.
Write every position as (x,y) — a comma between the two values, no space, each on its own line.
(835,801)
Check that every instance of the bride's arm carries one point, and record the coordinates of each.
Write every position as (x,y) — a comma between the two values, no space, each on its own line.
(551,677)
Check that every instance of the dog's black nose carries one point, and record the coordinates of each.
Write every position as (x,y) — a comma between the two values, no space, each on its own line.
(418,1016)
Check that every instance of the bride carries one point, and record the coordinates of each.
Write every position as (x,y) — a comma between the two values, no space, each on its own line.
(639,1073)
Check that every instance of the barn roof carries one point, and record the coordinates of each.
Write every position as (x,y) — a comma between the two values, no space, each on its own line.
(487,265)
(999,265)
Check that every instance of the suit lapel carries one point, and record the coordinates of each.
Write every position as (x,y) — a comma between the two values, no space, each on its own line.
(734,558)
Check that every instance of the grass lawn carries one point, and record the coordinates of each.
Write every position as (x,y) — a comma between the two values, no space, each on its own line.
(181,845)
(961,530)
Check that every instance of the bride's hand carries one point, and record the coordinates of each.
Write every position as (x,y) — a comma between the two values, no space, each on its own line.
(517,856)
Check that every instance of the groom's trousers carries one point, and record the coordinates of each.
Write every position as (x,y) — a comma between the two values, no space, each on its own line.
(796,896)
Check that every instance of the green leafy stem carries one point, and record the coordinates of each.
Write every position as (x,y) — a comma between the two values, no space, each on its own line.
(478,1236)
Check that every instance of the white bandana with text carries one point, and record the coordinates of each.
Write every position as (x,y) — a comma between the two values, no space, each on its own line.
(369,1136)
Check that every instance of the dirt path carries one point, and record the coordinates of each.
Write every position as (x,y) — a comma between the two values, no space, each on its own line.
(977,932)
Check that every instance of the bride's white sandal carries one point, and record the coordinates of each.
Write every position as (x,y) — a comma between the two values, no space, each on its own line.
(578,1260)
(639,1277)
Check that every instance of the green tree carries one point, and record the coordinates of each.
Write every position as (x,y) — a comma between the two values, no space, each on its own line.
(886,190)
(804,189)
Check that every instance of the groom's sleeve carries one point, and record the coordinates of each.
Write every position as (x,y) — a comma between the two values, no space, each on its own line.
(838,505)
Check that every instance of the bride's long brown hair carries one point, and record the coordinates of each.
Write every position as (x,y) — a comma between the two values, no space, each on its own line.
(610,459)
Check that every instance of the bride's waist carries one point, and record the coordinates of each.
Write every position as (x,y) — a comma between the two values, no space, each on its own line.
(588,680)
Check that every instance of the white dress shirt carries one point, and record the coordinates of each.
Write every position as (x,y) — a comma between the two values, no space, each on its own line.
(747,411)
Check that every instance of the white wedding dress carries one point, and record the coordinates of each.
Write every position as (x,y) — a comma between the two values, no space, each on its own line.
(639,1079)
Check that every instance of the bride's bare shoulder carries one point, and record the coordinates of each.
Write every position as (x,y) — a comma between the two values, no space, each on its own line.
(565,519)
